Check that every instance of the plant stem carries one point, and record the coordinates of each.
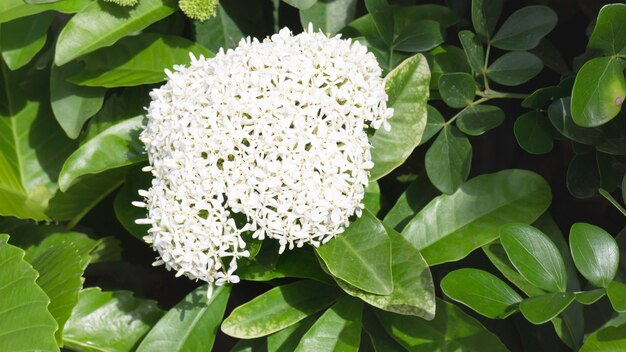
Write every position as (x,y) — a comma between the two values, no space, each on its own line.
(492,94)
(485,67)
(471,105)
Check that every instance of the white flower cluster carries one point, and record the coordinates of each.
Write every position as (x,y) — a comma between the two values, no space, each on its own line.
(275,131)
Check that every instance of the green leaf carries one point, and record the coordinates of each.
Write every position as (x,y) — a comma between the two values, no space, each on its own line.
(478,119)
(474,51)
(497,255)
(540,309)
(514,68)
(191,325)
(535,256)
(551,57)
(372,197)
(361,255)
(22,39)
(410,202)
(14,9)
(532,132)
(278,308)
(109,321)
(457,89)
(451,330)
(595,253)
(617,295)
(25,323)
(287,339)
(481,291)
(448,160)
(72,105)
(561,118)
(599,91)
(268,265)
(84,195)
(608,339)
(480,207)
(541,96)
(40,243)
(419,36)
(383,19)
(485,16)
(525,28)
(116,146)
(434,123)
(329,16)
(103,23)
(413,290)
(590,297)
(446,59)
(407,94)
(32,145)
(381,341)
(606,38)
(301,4)
(338,329)
(137,60)
(60,272)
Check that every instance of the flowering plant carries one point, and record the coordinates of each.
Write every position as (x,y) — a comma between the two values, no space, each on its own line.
(337,175)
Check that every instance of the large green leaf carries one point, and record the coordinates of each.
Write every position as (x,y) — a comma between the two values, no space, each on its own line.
(103,23)
(608,339)
(419,36)
(25,323)
(410,202)
(483,292)
(434,123)
(115,147)
(84,195)
(191,325)
(361,255)
(329,16)
(60,272)
(448,160)
(607,38)
(72,105)
(338,329)
(413,290)
(301,4)
(127,213)
(372,198)
(525,28)
(485,16)
(497,255)
(407,91)
(14,9)
(599,91)
(451,226)
(278,308)
(535,256)
(514,68)
(21,39)
(32,145)
(287,339)
(137,60)
(451,330)
(109,321)
(540,309)
(595,253)
(383,19)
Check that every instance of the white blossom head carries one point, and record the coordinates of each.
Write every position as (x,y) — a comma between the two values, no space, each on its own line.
(272,132)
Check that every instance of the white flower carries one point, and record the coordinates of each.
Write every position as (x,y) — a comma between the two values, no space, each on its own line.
(274,131)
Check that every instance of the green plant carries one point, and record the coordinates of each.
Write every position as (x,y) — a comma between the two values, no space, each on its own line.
(453,213)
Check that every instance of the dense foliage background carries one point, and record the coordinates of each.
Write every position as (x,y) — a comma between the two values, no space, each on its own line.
(495,216)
